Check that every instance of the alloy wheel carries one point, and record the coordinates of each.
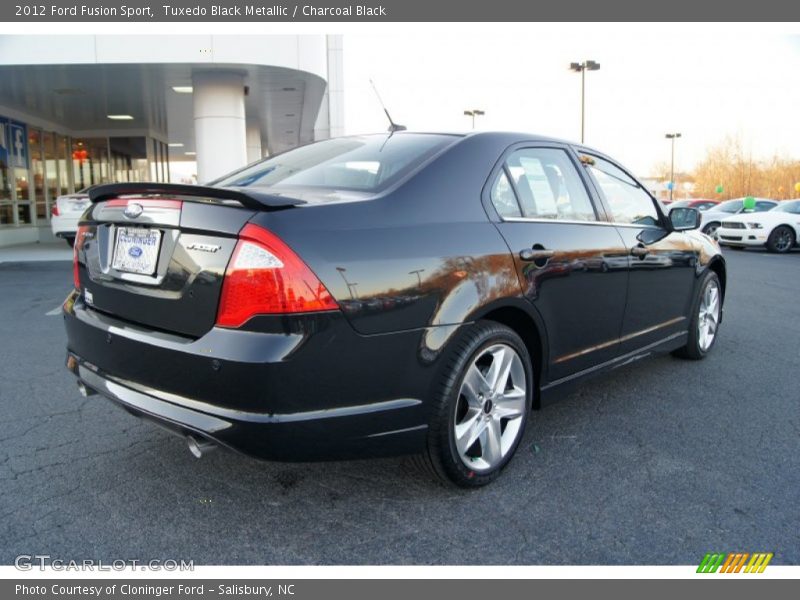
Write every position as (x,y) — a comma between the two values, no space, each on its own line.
(783,241)
(708,319)
(490,408)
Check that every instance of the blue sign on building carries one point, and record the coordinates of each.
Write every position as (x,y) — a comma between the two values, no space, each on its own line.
(18,144)
(3,142)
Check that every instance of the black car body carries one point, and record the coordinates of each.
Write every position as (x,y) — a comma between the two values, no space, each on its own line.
(396,263)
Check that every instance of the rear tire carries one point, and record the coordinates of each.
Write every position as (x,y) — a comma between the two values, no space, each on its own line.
(706,315)
(70,241)
(481,406)
(781,240)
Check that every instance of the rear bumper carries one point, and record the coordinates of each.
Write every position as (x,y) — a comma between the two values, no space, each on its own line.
(64,226)
(262,394)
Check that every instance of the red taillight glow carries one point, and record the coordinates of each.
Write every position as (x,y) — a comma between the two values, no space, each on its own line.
(265,276)
(79,236)
(54,210)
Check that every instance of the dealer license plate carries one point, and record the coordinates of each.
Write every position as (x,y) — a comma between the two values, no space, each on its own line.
(136,250)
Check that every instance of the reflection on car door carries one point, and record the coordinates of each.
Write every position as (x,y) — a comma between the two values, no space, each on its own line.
(572,266)
(661,262)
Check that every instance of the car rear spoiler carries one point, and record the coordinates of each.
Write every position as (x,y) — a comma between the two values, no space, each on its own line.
(251,199)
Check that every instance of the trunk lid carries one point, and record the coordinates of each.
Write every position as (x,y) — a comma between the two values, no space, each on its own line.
(159,262)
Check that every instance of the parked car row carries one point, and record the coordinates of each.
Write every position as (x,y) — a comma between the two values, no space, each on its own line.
(778,228)
(762,223)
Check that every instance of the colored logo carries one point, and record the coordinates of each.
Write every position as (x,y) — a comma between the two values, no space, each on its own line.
(735,562)
(135,251)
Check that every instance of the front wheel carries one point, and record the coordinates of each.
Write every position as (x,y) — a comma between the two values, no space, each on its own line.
(482,406)
(706,315)
(711,229)
(781,240)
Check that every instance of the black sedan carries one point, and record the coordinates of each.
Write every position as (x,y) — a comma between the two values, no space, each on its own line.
(402,293)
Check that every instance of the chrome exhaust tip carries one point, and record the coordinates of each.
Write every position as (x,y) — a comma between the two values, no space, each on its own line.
(199,447)
(85,391)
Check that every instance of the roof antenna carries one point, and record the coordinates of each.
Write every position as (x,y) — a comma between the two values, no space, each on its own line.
(392,125)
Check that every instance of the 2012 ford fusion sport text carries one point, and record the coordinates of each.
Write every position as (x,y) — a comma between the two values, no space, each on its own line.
(403,293)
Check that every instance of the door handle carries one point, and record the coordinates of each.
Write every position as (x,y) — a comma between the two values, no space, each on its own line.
(639,251)
(530,255)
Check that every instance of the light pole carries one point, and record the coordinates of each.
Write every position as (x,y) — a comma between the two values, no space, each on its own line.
(418,273)
(587,65)
(350,286)
(475,112)
(672,137)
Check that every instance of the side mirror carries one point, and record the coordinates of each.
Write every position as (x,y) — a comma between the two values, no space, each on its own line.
(684,218)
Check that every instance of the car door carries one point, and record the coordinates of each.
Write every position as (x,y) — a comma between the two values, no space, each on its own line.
(571,263)
(660,262)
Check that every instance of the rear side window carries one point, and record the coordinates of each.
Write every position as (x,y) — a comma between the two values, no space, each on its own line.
(628,201)
(764,206)
(546,185)
(367,163)
(503,197)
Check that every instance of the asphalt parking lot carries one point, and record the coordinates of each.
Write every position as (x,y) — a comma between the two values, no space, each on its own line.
(657,463)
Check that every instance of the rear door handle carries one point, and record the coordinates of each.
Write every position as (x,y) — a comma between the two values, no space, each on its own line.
(529,254)
(639,251)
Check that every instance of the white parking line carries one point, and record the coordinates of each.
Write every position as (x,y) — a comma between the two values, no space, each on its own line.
(54,312)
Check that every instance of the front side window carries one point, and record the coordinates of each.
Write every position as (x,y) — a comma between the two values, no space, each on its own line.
(368,163)
(548,185)
(628,201)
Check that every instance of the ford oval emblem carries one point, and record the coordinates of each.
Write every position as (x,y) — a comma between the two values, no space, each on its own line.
(133,210)
(135,251)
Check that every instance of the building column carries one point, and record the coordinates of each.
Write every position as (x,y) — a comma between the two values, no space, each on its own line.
(253,140)
(219,123)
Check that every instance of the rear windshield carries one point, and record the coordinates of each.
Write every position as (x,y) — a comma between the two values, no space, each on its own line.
(368,163)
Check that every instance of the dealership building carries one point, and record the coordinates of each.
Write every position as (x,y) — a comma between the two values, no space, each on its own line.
(82,110)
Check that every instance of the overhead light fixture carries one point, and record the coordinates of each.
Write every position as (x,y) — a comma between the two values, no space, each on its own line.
(190,153)
(175,145)
(182,89)
(120,117)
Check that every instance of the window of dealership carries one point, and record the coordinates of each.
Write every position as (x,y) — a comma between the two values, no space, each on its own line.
(37,165)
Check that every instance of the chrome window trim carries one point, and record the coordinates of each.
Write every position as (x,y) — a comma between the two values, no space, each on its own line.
(575,222)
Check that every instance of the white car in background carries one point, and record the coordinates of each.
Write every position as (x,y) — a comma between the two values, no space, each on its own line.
(65,213)
(712,217)
(777,229)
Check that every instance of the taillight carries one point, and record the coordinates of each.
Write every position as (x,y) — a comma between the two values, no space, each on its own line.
(54,210)
(265,276)
(79,236)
